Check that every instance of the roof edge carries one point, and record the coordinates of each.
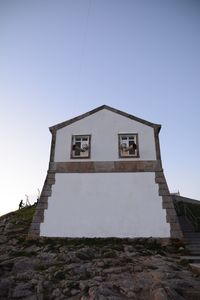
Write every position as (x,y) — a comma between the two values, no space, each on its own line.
(54,128)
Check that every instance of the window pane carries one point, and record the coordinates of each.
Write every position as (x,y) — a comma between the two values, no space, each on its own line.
(77,148)
(132,150)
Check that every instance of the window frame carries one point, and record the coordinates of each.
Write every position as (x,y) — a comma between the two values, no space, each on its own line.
(120,135)
(73,139)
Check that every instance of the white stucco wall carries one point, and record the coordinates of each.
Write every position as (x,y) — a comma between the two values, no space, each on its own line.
(105,205)
(104,127)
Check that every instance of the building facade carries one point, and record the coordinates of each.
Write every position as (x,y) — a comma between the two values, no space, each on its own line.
(105,179)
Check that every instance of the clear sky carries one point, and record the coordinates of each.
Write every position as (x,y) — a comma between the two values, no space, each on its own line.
(59,59)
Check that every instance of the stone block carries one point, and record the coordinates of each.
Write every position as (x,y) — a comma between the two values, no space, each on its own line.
(51,175)
(175,226)
(34,233)
(47,187)
(149,166)
(167,204)
(195,268)
(160,174)
(51,181)
(104,166)
(42,205)
(35,226)
(167,198)
(160,180)
(38,219)
(171,212)
(163,192)
(176,234)
(52,166)
(38,212)
(46,193)
(171,219)
(43,200)
(163,186)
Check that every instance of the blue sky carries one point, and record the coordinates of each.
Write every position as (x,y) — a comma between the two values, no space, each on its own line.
(59,59)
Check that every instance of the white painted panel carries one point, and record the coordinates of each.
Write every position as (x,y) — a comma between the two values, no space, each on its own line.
(104,127)
(105,205)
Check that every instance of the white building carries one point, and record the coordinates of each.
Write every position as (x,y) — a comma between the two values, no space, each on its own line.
(105,179)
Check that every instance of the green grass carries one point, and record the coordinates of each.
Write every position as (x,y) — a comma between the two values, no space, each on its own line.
(22,218)
(25,214)
(19,221)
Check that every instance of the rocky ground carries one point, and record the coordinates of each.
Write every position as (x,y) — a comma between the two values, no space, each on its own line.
(89,269)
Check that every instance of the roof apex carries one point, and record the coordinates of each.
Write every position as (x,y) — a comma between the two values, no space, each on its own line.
(54,128)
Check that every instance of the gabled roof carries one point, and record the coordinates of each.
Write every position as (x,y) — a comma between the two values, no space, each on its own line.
(124,114)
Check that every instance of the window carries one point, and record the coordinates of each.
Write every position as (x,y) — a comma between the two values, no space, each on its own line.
(128,145)
(80,146)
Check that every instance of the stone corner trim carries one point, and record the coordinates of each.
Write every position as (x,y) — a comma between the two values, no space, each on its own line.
(42,204)
(168,205)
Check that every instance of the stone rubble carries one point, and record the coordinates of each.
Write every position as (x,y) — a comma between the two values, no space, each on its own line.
(90,269)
